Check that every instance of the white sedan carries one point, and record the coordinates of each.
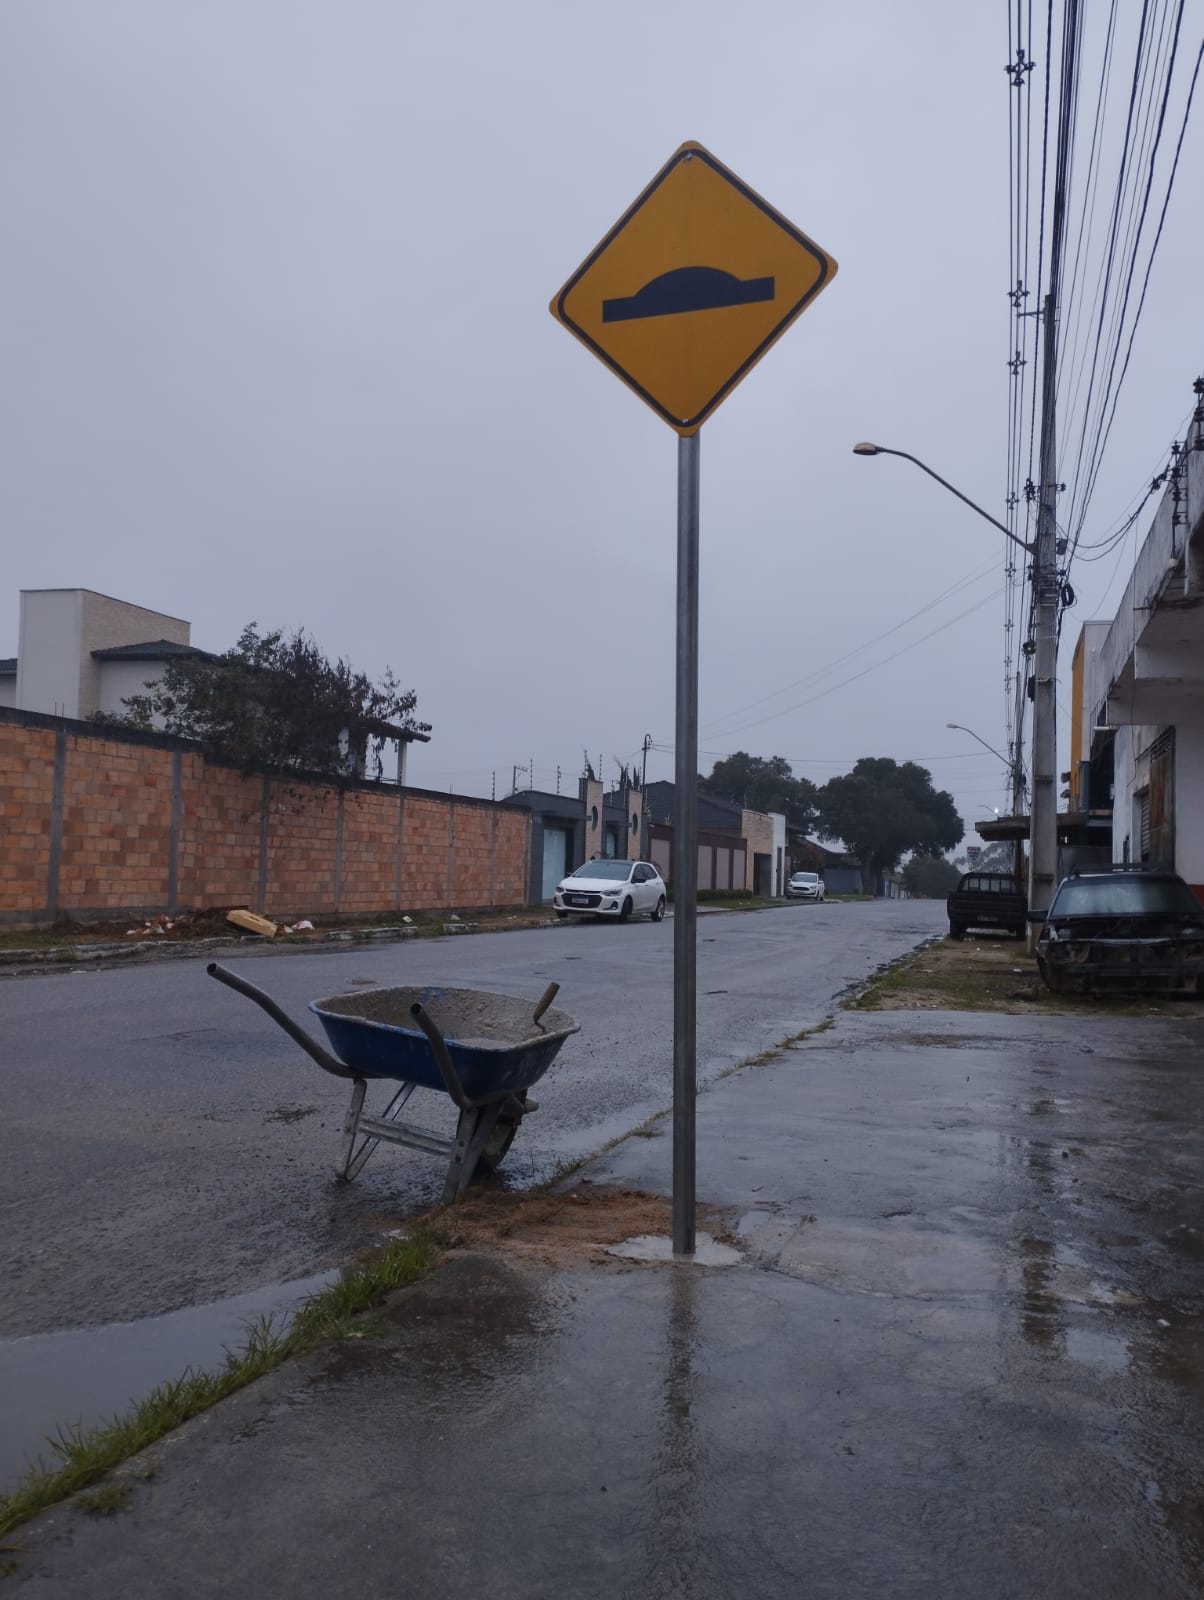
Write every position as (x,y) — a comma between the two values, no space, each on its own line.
(805,886)
(606,887)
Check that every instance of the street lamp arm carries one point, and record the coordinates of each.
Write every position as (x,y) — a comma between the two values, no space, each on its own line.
(883,450)
(1015,766)
(962,729)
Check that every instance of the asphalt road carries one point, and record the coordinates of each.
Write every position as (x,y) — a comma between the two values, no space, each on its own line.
(163,1144)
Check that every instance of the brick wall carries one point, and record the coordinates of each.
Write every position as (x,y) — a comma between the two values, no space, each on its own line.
(97,823)
(27,769)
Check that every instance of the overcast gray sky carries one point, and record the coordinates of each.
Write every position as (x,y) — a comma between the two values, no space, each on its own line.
(274,344)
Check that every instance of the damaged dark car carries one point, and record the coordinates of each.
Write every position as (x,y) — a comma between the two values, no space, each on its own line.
(1123,930)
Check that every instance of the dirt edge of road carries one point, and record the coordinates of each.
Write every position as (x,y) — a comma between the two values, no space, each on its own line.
(993,974)
(204,933)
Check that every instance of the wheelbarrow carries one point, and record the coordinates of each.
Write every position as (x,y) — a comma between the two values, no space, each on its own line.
(483,1050)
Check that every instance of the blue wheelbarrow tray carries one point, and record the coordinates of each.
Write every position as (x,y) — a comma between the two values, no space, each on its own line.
(493,1042)
(482,1050)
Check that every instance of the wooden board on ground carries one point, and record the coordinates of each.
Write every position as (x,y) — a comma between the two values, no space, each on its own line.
(252,922)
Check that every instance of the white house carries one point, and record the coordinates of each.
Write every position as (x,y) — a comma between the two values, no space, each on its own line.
(79,652)
(1142,722)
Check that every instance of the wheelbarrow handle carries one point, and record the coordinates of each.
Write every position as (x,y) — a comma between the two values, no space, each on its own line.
(447,1070)
(312,1048)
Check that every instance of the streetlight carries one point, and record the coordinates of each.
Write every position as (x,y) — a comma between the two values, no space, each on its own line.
(1010,765)
(1043,826)
(867,449)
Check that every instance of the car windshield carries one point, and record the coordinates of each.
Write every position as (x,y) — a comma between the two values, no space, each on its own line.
(1124,896)
(613,871)
(805,877)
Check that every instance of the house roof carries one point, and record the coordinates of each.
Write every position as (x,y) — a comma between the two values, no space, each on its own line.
(8,667)
(152,650)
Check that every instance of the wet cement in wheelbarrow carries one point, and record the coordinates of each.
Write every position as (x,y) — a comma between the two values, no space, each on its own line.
(465,1016)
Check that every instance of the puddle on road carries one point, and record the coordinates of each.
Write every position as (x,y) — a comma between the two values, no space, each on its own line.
(52,1380)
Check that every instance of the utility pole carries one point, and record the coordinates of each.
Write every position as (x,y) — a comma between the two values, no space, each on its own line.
(1043,831)
(646,821)
(1043,837)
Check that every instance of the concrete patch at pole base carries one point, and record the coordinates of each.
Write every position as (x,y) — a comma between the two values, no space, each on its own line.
(653,1247)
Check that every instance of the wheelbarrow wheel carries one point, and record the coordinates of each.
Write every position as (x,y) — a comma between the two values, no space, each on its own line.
(499,1143)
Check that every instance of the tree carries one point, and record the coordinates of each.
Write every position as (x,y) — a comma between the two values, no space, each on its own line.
(930,877)
(762,783)
(882,810)
(275,700)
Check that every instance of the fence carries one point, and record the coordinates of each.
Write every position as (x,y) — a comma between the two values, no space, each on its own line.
(96,822)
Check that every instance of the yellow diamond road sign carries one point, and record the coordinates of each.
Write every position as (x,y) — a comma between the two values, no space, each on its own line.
(691,286)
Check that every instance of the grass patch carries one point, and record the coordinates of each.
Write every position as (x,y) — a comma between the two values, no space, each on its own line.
(107,1499)
(31,940)
(990,974)
(775,1051)
(81,1456)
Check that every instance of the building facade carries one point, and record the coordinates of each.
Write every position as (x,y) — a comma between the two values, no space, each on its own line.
(79,652)
(1138,683)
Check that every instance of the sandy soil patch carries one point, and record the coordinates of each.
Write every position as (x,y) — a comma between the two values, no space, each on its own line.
(561,1228)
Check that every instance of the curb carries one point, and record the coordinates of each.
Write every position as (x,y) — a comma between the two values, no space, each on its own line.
(181,949)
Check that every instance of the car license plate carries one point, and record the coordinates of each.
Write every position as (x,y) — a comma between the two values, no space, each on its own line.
(576,899)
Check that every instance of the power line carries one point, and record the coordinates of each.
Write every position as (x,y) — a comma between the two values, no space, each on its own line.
(1106,432)
(967,581)
(865,671)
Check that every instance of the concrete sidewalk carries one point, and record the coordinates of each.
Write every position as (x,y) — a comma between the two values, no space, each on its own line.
(962,1356)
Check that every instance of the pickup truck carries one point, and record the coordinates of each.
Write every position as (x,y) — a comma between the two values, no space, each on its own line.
(994,900)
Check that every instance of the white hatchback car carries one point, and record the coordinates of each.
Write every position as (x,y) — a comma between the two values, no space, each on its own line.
(606,887)
(805,886)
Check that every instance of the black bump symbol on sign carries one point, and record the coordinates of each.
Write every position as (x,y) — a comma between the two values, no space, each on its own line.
(687,289)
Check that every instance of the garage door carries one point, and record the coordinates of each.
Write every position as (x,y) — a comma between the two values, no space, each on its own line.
(555,859)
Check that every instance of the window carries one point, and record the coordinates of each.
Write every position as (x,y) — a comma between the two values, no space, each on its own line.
(609,870)
(1125,896)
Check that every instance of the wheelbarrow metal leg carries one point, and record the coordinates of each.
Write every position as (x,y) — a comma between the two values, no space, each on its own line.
(350,1166)
(472,1135)
(351,1123)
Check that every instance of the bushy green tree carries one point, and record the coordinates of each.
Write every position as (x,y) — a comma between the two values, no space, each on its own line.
(882,810)
(930,877)
(275,700)
(763,783)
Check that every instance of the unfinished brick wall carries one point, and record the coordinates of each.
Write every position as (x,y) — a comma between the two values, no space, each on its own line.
(96,822)
(26,806)
(116,824)
(221,828)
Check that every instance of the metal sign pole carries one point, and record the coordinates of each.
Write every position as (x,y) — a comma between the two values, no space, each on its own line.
(685,850)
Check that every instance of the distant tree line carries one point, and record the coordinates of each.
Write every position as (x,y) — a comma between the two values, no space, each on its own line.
(882,811)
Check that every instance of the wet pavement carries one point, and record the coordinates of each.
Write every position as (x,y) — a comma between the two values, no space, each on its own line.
(84,1376)
(962,1355)
(144,1107)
